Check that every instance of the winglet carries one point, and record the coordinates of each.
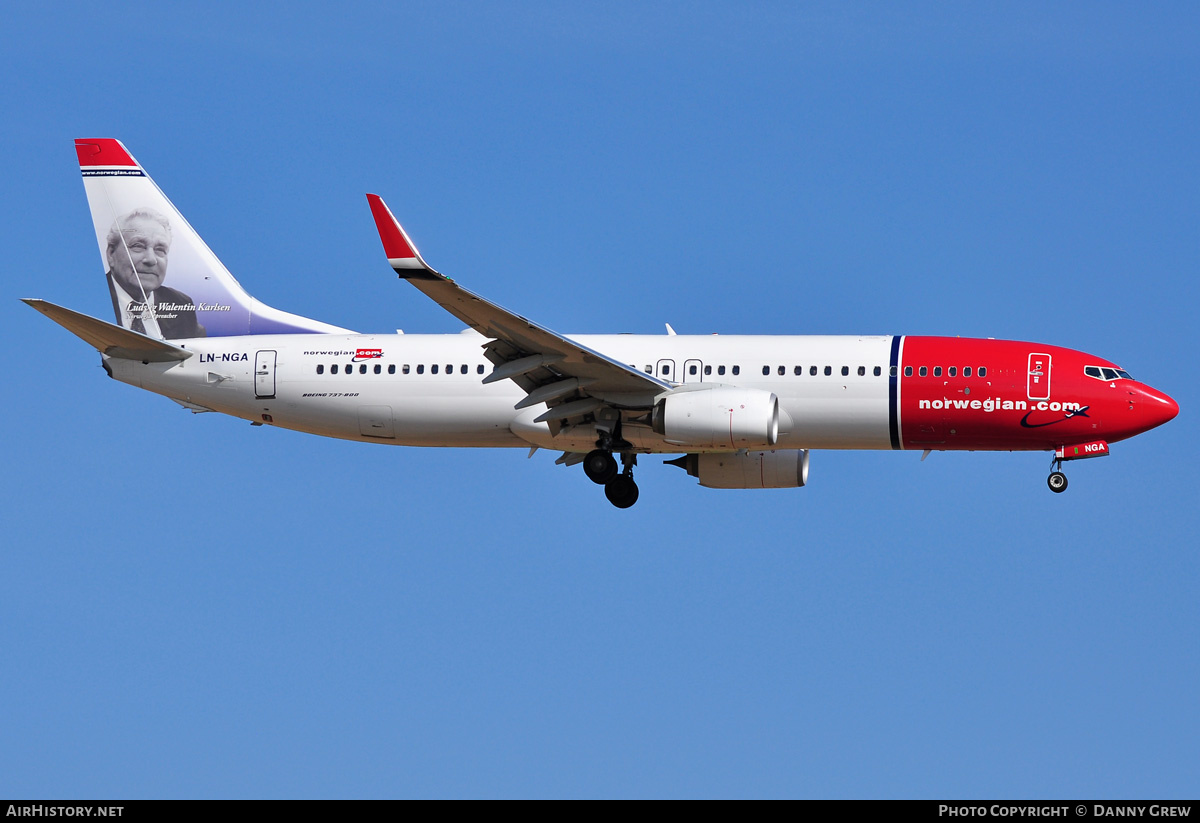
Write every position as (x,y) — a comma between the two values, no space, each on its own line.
(400,250)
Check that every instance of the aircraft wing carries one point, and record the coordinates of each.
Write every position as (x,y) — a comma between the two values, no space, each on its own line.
(552,369)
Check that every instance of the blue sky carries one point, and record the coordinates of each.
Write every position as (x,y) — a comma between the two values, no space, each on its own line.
(193,607)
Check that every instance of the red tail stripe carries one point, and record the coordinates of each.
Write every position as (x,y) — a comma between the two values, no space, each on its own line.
(103,151)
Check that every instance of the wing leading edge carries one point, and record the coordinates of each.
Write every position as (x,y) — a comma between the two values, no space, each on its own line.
(570,378)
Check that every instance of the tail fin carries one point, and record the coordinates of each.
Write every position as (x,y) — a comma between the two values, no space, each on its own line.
(164,281)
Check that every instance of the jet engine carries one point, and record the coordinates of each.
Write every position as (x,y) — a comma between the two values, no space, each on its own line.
(719,417)
(783,469)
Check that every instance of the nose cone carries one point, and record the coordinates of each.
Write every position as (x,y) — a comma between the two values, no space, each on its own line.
(1156,407)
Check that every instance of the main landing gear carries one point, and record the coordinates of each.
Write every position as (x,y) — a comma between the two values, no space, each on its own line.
(601,468)
(619,488)
(1057,481)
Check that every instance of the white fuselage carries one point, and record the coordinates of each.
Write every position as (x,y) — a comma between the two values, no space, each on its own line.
(427,390)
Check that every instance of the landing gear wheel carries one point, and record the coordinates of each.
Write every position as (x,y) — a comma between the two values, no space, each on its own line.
(621,491)
(599,466)
(1057,481)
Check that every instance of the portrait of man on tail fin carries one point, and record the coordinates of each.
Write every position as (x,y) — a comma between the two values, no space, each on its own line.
(137,249)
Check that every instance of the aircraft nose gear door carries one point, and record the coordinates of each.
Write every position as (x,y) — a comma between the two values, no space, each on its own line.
(1038,385)
(264,375)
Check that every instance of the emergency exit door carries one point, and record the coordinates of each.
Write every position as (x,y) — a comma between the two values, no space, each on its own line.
(665,370)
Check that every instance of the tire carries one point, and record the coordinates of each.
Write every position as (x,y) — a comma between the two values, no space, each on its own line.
(1057,481)
(600,466)
(621,491)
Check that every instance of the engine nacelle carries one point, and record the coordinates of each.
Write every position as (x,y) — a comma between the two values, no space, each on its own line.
(722,417)
(783,469)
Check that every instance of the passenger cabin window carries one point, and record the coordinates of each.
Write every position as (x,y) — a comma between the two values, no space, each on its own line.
(463,369)
(708,369)
(666,369)
(908,371)
(421,368)
(862,371)
(799,370)
(937,371)
(892,371)
(812,370)
(321,369)
(983,371)
(966,371)
(378,369)
(953,371)
(349,368)
(720,369)
(449,369)
(782,370)
(737,369)
(828,370)
(766,370)
(878,371)
(692,370)
(433,369)
(923,371)
(333,369)
(479,369)
(404,368)
(845,371)
(392,368)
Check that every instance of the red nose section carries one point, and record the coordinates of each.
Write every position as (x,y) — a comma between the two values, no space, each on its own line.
(1157,408)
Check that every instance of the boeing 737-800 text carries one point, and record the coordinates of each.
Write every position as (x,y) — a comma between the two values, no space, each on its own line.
(743,411)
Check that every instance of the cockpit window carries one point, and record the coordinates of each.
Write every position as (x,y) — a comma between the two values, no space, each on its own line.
(1105,373)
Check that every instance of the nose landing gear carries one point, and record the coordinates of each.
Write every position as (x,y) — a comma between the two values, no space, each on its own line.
(1057,481)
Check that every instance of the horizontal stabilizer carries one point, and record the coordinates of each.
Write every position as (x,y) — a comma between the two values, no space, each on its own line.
(109,339)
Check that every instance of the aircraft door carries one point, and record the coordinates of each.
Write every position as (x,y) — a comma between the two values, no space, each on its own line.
(693,371)
(1038,380)
(665,370)
(264,374)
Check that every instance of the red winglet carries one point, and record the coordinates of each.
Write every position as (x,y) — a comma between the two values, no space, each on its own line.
(103,151)
(395,244)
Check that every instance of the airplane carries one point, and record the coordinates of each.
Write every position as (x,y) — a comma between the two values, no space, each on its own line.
(742,411)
